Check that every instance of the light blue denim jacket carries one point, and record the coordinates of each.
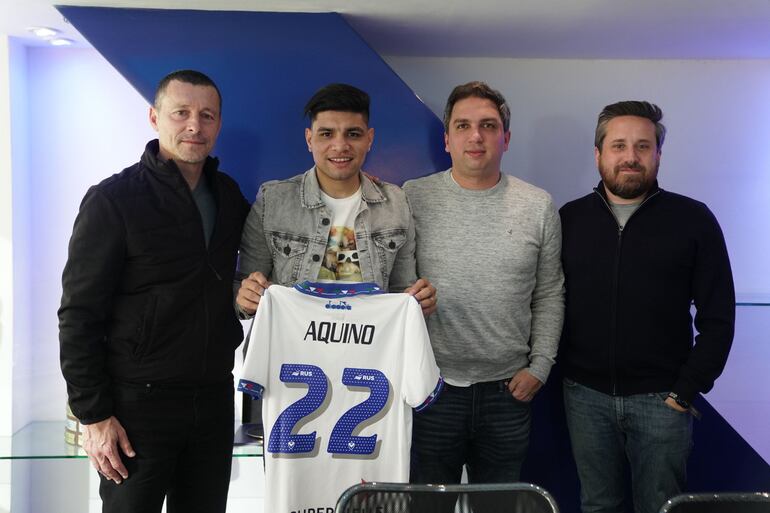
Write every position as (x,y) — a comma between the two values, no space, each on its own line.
(287,230)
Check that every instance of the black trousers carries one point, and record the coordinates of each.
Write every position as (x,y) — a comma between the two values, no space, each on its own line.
(183,439)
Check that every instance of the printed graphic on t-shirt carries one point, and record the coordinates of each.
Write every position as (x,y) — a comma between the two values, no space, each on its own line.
(341,260)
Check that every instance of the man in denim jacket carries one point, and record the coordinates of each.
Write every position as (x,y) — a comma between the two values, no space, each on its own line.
(331,223)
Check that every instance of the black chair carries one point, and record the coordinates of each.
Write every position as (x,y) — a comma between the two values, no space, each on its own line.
(458,498)
(718,503)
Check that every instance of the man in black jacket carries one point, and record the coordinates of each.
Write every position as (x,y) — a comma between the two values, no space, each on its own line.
(635,259)
(147,327)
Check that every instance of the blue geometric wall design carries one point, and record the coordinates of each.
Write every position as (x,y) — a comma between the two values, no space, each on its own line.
(267,66)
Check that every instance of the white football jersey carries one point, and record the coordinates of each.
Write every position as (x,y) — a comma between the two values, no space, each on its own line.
(339,368)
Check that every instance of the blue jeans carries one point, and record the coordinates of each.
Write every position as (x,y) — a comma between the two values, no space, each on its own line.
(639,433)
(481,426)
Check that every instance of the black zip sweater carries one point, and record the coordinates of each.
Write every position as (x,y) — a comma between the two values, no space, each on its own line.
(144,300)
(628,327)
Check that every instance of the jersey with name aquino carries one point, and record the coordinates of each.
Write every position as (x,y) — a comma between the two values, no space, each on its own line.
(339,368)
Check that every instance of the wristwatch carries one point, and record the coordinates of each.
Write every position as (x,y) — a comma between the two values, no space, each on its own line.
(685,404)
(678,400)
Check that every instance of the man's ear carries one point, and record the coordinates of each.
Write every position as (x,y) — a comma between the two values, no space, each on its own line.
(153,118)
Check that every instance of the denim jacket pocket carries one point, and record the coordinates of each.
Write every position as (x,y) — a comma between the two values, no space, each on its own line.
(288,253)
(388,243)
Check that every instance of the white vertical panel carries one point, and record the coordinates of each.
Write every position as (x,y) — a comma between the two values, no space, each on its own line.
(86,123)
(6,250)
(22,209)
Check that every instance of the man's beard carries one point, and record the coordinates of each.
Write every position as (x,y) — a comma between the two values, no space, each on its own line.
(628,186)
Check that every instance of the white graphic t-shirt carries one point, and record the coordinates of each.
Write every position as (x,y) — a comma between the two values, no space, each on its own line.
(340,262)
(339,368)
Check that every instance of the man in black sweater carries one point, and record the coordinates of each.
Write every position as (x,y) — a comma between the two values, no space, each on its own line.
(147,327)
(636,258)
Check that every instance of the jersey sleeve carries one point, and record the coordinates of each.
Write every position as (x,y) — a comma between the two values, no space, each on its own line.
(255,366)
(422,382)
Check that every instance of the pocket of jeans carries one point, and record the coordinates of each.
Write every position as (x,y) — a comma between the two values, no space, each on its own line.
(663,396)
(518,401)
(569,383)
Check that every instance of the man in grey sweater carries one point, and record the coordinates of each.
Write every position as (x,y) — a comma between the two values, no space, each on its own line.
(491,244)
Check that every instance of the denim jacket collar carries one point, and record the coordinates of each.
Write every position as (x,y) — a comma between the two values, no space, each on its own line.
(310,191)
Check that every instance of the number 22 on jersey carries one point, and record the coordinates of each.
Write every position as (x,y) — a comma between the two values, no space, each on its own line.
(341,440)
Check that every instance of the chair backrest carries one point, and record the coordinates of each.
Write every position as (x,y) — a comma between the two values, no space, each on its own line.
(718,503)
(459,498)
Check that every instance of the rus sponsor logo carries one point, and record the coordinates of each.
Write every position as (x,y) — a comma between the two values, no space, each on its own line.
(340,333)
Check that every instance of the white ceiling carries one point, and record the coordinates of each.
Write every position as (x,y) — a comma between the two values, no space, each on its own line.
(594,29)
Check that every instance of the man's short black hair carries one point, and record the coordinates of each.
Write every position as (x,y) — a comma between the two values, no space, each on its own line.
(188,76)
(338,97)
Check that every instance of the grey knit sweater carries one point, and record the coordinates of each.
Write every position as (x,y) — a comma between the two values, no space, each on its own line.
(494,257)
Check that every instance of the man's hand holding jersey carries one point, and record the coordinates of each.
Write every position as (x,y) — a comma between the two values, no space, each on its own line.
(425,294)
(253,288)
(251,291)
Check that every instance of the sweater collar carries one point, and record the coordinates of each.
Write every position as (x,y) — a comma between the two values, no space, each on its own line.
(601,191)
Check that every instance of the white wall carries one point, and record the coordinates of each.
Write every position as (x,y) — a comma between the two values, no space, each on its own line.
(6,269)
(76,122)
(6,248)
(22,209)
(85,123)
(72,121)
(717,149)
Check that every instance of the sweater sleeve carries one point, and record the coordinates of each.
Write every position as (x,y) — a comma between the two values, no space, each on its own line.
(714,299)
(547,299)
(94,265)
(404,272)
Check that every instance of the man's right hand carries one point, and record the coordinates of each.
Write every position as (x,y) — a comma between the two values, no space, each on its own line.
(101,441)
(251,291)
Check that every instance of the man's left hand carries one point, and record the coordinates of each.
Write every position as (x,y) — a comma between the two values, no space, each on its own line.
(523,385)
(425,294)
(673,404)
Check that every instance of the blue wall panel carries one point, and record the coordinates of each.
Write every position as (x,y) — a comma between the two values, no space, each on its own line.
(267,66)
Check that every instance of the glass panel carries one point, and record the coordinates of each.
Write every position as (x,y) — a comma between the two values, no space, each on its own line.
(45,440)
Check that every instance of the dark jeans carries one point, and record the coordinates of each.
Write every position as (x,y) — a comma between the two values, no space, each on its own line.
(481,426)
(183,438)
(640,432)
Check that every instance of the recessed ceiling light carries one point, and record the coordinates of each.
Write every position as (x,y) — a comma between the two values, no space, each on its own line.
(43,32)
(61,41)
